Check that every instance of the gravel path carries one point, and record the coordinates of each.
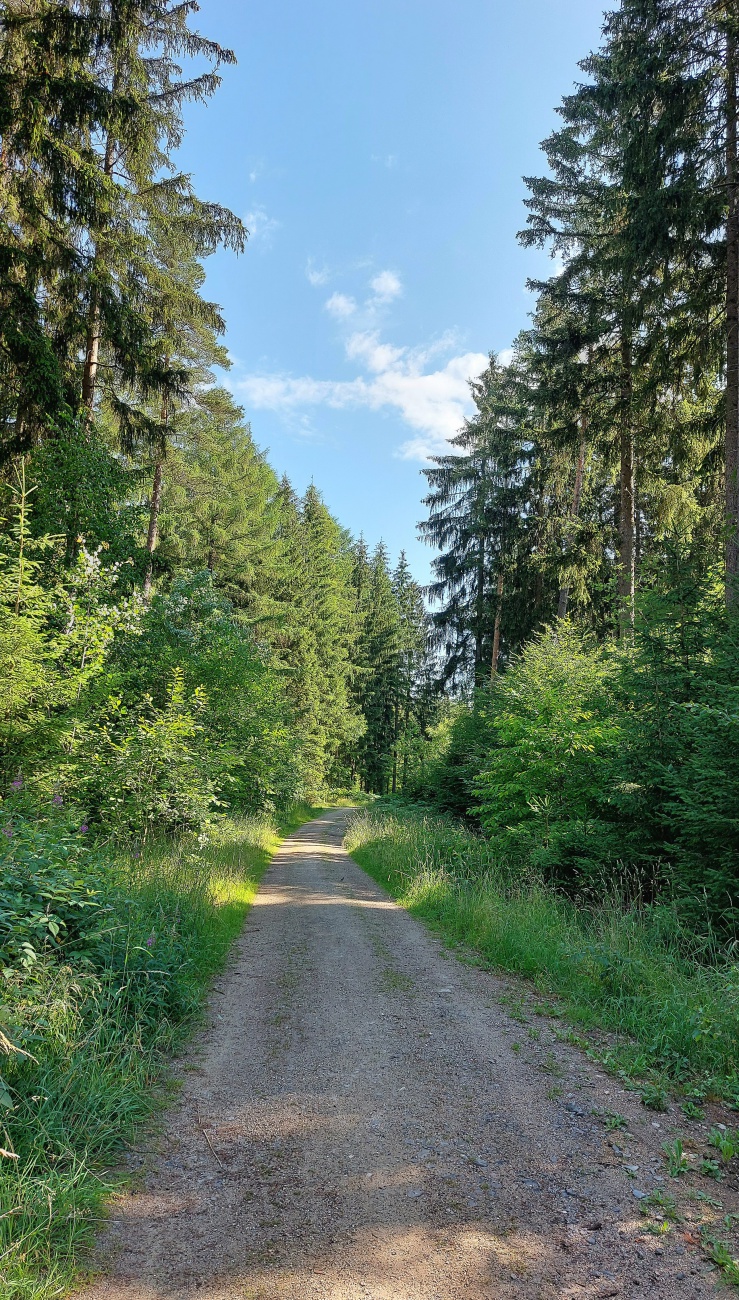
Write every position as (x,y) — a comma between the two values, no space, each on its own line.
(362,1120)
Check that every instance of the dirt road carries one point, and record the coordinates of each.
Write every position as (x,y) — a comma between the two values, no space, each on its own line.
(362,1120)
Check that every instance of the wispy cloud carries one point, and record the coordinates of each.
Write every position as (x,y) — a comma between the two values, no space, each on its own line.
(261,227)
(432,402)
(340,306)
(389,160)
(316,275)
(386,286)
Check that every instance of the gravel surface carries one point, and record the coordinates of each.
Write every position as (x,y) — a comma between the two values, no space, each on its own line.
(362,1119)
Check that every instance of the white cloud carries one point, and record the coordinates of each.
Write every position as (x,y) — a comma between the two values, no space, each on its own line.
(316,275)
(386,286)
(376,355)
(261,227)
(340,306)
(431,402)
(389,160)
(505,356)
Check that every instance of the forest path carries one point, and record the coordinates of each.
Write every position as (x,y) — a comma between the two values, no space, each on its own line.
(357,1123)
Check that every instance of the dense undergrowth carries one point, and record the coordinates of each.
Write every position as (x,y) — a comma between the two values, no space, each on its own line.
(592,764)
(106,962)
(629,967)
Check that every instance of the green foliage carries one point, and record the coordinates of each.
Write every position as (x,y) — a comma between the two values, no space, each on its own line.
(78,494)
(677,1161)
(614,1121)
(632,970)
(50,880)
(680,762)
(719,1252)
(97,1011)
(148,769)
(727,1144)
(551,733)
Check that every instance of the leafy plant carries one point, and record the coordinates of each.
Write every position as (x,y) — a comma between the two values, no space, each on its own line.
(677,1161)
(662,1201)
(721,1255)
(614,1121)
(550,733)
(655,1097)
(710,1169)
(50,881)
(727,1144)
(550,1065)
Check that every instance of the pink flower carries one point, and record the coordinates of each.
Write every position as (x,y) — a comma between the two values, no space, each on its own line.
(17,784)
(151,940)
(84,828)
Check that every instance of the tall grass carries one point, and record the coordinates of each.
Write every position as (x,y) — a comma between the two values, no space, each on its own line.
(628,968)
(100,1027)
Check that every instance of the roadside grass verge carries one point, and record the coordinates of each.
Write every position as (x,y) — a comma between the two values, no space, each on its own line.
(670,999)
(99,1026)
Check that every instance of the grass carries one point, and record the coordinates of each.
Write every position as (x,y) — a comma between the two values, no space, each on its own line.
(672,1013)
(100,1028)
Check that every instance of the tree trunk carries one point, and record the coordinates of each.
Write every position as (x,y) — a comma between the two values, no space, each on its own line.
(480,610)
(151,536)
(94,325)
(626,520)
(156,498)
(496,629)
(732,326)
(564,592)
(407,715)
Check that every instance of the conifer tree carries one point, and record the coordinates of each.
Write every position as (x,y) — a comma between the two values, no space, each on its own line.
(475,512)
(219,507)
(411,704)
(51,107)
(378,664)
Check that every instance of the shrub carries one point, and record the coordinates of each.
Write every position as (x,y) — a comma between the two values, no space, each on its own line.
(551,733)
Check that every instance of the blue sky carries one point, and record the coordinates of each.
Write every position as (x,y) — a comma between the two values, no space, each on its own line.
(375,149)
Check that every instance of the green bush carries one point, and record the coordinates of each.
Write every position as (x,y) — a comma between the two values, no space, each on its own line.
(52,876)
(551,732)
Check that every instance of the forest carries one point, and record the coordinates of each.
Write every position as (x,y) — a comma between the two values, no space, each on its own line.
(191,652)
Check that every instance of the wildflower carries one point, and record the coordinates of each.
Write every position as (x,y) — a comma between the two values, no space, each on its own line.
(84,828)
(151,940)
(17,784)
(57,801)
(8,830)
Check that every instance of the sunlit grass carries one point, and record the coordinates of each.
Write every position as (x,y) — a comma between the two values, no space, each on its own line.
(101,1028)
(634,970)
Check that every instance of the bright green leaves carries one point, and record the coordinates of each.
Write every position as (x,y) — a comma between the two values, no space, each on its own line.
(551,734)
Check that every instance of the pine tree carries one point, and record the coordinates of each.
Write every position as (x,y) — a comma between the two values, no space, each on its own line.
(378,654)
(475,514)
(137,61)
(219,504)
(51,108)
(411,703)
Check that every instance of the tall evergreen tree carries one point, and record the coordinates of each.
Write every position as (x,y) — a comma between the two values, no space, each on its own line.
(475,515)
